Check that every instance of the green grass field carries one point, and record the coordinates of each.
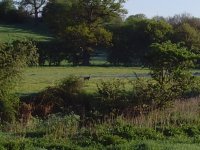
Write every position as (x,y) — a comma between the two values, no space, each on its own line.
(38,78)
(18,31)
(35,79)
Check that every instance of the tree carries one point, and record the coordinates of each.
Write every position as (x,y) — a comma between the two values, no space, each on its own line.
(5,7)
(34,7)
(132,40)
(189,36)
(168,61)
(123,51)
(132,18)
(83,39)
(84,26)
(169,65)
(57,14)
(179,19)
(10,13)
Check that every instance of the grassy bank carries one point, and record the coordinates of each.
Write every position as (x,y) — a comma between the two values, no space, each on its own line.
(20,31)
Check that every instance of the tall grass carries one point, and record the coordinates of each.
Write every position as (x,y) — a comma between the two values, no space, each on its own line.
(174,128)
(182,112)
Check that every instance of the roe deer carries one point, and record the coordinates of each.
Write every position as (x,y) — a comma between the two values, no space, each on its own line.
(86,78)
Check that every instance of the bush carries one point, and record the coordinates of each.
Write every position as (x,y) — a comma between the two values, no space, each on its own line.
(112,140)
(151,95)
(71,85)
(112,94)
(191,131)
(65,97)
(171,131)
(169,64)
(13,58)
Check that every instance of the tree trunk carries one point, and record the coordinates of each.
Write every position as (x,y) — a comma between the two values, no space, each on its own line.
(35,11)
(36,15)
(86,58)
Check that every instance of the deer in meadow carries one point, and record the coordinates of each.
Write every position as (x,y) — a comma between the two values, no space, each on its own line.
(87,78)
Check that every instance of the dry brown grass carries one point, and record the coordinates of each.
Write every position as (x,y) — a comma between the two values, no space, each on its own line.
(183,112)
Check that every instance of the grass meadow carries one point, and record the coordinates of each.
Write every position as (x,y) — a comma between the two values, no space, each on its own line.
(36,79)
(20,31)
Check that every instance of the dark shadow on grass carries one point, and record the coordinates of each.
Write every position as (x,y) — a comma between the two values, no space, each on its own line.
(37,134)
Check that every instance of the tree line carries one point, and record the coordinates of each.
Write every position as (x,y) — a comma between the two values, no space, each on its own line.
(82,26)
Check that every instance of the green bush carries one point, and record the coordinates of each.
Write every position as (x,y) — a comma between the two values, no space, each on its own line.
(169,65)
(172,132)
(71,85)
(62,98)
(112,140)
(112,94)
(124,131)
(191,131)
(13,58)
(150,94)
(193,88)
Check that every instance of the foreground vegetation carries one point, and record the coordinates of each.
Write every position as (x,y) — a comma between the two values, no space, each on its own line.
(117,114)
(174,128)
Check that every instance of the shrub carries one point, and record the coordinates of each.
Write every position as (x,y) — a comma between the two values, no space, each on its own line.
(112,140)
(64,98)
(151,95)
(13,58)
(112,94)
(169,64)
(71,85)
(191,131)
(172,131)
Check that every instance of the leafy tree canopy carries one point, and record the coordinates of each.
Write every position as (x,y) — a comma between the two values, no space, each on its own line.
(189,36)
(167,60)
(83,24)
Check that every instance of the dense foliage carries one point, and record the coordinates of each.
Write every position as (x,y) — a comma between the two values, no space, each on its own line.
(83,28)
(13,58)
(170,66)
(10,14)
(131,41)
